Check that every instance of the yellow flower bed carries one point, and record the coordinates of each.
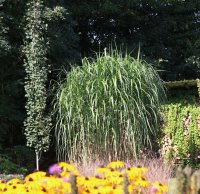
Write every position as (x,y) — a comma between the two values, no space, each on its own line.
(63,178)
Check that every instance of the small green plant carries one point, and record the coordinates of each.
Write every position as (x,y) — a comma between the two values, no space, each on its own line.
(8,167)
(109,107)
(23,156)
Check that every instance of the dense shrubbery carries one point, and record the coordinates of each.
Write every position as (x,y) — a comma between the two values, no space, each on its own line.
(22,156)
(182,128)
(9,167)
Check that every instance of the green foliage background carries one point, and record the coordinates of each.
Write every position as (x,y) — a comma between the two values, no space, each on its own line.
(181,142)
(12,35)
(168,32)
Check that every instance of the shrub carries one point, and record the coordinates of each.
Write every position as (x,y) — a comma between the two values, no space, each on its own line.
(23,156)
(8,167)
(181,141)
(108,107)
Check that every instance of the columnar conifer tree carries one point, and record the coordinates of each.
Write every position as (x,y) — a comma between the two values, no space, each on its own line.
(38,123)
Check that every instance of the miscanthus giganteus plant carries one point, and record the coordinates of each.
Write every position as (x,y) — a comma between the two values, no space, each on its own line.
(108,107)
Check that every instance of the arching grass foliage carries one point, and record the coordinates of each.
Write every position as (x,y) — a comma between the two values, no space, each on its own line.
(109,107)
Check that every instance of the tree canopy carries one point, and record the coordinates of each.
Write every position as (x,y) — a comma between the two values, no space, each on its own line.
(167,30)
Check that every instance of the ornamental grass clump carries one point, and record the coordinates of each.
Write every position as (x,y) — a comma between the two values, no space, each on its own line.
(108,107)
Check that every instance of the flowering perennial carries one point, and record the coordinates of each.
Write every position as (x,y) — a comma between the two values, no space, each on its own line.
(63,178)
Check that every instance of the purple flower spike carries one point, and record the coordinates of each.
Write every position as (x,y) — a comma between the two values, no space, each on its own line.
(54,169)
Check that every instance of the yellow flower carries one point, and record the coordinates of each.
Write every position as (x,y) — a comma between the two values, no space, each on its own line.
(65,175)
(132,189)
(142,183)
(2,185)
(95,190)
(116,165)
(52,185)
(159,188)
(110,181)
(65,167)
(117,189)
(106,190)
(113,173)
(35,176)
(81,181)
(33,186)
(67,188)
(135,173)
(116,178)
(108,173)
(102,171)
(14,181)
(89,182)
(14,188)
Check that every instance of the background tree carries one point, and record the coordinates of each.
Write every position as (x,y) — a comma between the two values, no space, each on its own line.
(63,42)
(11,74)
(63,45)
(38,122)
(167,30)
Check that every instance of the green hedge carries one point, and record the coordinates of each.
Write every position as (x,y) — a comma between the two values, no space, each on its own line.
(181,141)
